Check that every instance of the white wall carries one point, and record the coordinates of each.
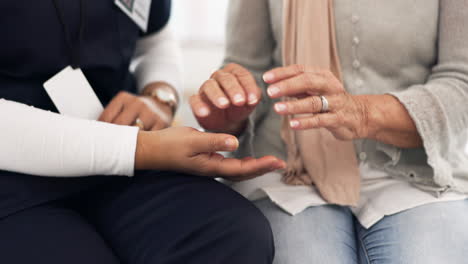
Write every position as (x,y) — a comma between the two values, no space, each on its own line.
(200,20)
(200,27)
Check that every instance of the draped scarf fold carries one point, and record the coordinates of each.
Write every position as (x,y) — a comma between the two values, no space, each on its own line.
(315,156)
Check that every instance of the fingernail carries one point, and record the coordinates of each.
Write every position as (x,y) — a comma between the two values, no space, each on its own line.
(253,99)
(231,143)
(280,108)
(268,77)
(278,165)
(281,165)
(203,112)
(294,123)
(273,90)
(223,101)
(238,98)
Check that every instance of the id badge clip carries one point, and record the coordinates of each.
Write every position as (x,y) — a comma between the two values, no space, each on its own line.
(137,10)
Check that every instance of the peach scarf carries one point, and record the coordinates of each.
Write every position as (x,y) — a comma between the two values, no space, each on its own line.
(315,156)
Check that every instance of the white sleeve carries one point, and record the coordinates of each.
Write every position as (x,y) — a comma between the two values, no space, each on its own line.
(158,58)
(37,142)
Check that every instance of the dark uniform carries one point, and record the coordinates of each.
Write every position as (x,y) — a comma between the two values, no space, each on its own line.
(153,217)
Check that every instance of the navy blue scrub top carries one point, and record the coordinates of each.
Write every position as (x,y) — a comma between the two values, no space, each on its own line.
(33,49)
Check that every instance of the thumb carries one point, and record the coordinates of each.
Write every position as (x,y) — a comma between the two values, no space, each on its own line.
(211,142)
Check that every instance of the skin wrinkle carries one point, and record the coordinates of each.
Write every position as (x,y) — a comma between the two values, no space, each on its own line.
(401,132)
(352,113)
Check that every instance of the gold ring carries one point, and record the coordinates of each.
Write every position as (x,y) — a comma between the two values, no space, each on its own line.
(139,124)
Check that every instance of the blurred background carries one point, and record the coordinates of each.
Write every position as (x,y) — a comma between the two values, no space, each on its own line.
(200,27)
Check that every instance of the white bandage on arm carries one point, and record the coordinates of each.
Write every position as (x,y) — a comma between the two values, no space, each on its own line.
(42,143)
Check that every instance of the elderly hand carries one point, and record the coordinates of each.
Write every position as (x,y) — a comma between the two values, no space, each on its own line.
(347,116)
(191,151)
(225,101)
(379,117)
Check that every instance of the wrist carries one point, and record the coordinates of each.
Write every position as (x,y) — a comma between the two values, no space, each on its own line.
(163,94)
(382,117)
(392,123)
(146,155)
(372,114)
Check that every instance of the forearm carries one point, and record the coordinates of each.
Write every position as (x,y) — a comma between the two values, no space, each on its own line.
(146,151)
(167,110)
(41,143)
(388,121)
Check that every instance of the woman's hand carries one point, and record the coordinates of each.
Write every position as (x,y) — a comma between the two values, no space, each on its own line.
(225,101)
(143,111)
(191,151)
(347,117)
(380,117)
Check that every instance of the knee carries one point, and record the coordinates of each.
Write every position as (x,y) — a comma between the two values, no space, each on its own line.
(245,221)
(250,230)
(254,226)
(51,235)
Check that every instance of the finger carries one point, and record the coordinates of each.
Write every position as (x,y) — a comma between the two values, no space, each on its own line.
(129,113)
(258,167)
(156,109)
(286,72)
(247,81)
(201,142)
(158,126)
(307,83)
(308,105)
(148,118)
(327,120)
(114,108)
(228,82)
(215,94)
(111,111)
(199,107)
(279,165)
(248,168)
